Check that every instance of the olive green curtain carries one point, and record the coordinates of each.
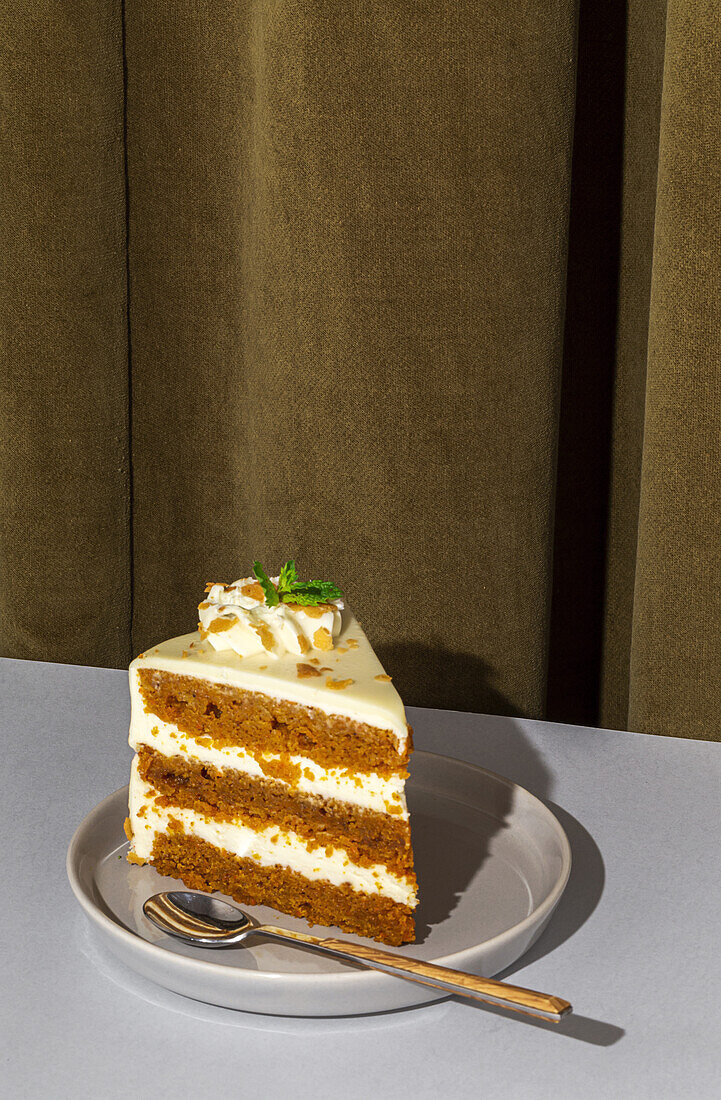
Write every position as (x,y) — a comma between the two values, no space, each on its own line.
(423,295)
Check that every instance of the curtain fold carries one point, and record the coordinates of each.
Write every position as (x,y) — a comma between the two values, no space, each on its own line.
(423,297)
(676,641)
(65,572)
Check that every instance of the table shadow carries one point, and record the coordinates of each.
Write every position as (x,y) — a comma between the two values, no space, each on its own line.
(582,1028)
(580,898)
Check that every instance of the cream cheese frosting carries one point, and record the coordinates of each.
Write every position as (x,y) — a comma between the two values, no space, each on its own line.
(236,616)
(269,847)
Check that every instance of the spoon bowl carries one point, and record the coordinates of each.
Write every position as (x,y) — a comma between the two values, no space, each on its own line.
(199,919)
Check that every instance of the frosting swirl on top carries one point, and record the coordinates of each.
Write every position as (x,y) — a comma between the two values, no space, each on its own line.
(237,616)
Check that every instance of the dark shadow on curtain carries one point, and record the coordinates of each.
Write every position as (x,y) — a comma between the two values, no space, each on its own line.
(585,414)
(449,681)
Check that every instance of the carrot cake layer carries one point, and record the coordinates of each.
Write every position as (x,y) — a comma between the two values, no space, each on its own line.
(227,794)
(231,716)
(202,866)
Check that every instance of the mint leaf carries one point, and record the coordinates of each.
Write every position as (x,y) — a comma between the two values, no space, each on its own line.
(288,577)
(292,590)
(304,597)
(312,592)
(271,593)
(328,590)
(301,597)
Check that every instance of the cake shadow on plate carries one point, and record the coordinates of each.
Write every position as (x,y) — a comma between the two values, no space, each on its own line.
(446,857)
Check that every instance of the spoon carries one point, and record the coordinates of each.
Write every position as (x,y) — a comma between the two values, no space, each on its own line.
(205,921)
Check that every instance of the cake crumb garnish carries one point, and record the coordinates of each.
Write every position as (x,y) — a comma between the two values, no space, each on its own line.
(322,639)
(202,606)
(132,858)
(314,660)
(223,622)
(383,678)
(338,685)
(303,643)
(266,636)
(303,671)
(313,611)
(253,591)
(128,829)
(352,643)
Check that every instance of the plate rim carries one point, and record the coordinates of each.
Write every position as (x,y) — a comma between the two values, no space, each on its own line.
(190,965)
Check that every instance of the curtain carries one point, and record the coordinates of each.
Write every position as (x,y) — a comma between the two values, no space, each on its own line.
(424,296)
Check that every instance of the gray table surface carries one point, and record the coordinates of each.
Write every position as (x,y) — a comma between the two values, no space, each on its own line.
(634,944)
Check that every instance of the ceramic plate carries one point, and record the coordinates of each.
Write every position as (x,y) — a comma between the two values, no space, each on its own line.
(492,862)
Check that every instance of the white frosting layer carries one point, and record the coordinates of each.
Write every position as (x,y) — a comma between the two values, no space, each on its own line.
(237,617)
(369,791)
(269,847)
(363,698)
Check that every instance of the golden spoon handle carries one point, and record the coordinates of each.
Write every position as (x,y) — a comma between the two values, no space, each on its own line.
(528,1001)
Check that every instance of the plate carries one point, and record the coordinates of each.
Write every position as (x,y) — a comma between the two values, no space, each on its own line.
(492,862)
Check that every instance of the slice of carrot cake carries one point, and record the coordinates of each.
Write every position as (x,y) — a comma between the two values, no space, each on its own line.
(271,753)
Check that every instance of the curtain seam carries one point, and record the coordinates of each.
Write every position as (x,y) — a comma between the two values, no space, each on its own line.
(128,340)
